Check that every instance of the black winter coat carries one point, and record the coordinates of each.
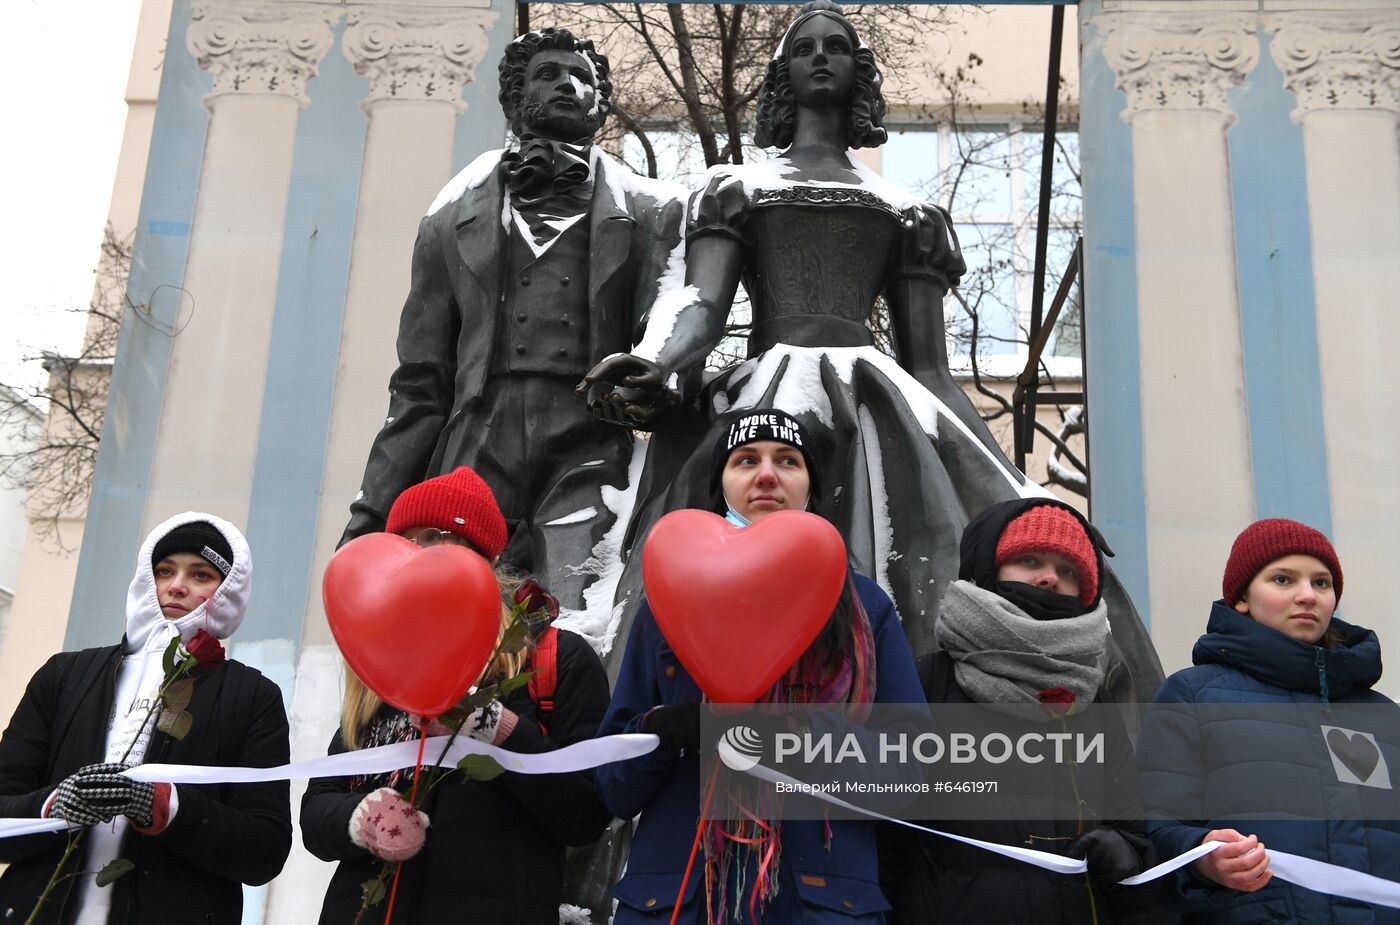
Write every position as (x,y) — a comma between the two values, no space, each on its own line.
(934,880)
(223,835)
(495,849)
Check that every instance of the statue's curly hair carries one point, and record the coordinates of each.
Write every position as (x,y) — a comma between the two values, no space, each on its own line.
(516,60)
(776,119)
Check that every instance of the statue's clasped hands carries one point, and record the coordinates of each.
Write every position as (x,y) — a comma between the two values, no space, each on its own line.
(627,390)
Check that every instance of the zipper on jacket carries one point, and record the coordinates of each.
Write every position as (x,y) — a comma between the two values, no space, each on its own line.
(1320,660)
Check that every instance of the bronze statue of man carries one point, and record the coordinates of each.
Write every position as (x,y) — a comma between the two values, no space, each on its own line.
(534,264)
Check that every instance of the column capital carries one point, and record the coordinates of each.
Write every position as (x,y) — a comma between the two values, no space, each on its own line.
(260,47)
(1339,61)
(416,54)
(1180,62)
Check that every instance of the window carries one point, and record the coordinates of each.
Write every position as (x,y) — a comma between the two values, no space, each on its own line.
(989,177)
(679,157)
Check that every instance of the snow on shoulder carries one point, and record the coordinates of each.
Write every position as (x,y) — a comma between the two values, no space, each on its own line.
(623,180)
(470,177)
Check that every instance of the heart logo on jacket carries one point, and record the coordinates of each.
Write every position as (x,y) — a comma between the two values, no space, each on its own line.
(1356,757)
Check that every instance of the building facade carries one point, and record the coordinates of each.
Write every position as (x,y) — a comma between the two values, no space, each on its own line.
(1241,213)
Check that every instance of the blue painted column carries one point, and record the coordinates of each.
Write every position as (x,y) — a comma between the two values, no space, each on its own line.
(261,57)
(1176,70)
(415,63)
(1344,70)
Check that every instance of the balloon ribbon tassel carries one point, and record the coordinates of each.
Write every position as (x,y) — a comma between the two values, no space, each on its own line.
(695,845)
(412,796)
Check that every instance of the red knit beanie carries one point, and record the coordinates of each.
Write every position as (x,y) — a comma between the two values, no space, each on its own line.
(1266,540)
(1048,528)
(459,502)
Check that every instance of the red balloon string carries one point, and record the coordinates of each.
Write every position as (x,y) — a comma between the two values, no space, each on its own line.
(695,845)
(412,795)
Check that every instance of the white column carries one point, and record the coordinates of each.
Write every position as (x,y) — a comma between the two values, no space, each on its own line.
(418,61)
(261,56)
(1176,70)
(1344,70)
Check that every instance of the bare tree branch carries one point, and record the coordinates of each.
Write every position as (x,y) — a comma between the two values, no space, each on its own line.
(54,429)
(642,137)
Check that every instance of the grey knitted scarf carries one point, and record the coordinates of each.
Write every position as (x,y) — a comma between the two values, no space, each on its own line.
(1003,656)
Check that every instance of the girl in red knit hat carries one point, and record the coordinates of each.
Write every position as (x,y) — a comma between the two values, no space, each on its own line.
(1024,631)
(1273,638)
(490,849)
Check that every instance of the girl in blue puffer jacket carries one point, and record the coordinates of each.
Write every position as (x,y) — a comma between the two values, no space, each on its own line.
(1273,640)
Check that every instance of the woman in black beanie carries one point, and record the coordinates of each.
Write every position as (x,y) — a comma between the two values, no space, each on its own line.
(761,466)
(86,714)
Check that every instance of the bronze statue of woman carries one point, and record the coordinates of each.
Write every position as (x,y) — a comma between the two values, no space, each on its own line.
(816,237)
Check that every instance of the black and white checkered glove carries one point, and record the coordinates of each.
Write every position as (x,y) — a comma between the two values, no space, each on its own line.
(99,793)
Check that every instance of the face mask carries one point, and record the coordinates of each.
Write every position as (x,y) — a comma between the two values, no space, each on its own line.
(735,517)
(1039,603)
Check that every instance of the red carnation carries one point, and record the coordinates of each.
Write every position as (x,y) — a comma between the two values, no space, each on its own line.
(205,650)
(1058,700)
(531,597)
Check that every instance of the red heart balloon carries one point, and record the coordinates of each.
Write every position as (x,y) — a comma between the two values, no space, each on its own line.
(416,625)
(741,604)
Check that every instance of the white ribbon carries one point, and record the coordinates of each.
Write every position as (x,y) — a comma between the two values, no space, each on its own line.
(1305,872)
(580,756)
(577,757)
(12,828)
(1329,878)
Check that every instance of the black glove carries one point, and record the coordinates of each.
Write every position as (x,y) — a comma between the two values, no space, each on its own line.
(100,793)
(1110,854)
(678,726)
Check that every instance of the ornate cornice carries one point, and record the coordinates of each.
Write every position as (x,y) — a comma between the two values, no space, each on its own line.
(417,55)
(1179,62)
(1339,61)
(260,48)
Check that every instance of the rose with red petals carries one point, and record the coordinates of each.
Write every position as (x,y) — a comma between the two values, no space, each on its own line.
(531,597)
(204,649)
(1058,700)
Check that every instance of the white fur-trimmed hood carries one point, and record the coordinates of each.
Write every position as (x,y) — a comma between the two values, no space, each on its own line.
(221,615)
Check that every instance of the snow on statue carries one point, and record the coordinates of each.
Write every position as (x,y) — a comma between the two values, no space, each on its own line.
(532,265)
(816,238)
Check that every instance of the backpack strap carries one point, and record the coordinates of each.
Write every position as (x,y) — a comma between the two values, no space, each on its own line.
(544,660)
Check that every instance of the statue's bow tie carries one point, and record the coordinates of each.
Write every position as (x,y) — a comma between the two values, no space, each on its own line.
(541,167)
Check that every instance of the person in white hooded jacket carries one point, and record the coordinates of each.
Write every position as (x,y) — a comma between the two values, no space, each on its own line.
(86,713)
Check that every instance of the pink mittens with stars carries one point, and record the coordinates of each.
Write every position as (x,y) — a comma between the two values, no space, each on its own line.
(387,826)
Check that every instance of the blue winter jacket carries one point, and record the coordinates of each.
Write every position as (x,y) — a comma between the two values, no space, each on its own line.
(816,885)
(1246,762)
